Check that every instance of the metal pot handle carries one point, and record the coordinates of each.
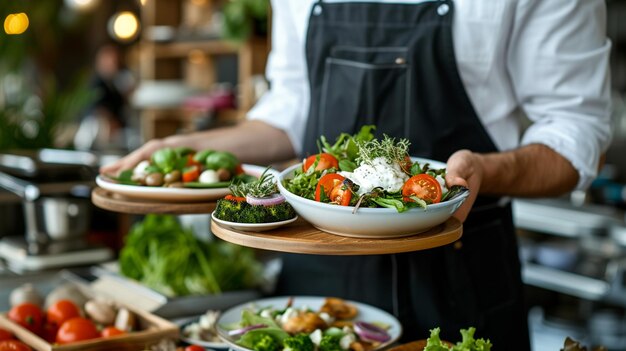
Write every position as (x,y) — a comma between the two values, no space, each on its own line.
(21,188)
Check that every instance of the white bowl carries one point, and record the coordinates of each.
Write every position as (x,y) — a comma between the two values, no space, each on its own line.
(370,222)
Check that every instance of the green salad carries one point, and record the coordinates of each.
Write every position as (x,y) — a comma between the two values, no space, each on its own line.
(361,171)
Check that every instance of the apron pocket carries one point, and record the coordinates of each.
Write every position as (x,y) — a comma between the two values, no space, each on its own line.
(364,86)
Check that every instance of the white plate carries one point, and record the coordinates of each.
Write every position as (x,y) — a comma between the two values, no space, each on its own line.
(252,227)
(172,194)
(377,223)
(366,313)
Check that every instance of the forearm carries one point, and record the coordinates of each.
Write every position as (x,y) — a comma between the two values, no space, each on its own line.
(531,171)
(252,142)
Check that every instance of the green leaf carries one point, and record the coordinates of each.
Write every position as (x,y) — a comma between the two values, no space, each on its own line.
(347,165)
(198,185)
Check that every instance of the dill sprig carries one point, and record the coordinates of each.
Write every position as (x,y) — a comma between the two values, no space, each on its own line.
(393,151)
(262,187)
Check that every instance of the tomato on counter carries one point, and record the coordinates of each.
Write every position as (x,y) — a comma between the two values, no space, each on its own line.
(77,329)
(13,345)
(111,331)
(61,311)
(28,315)
(6,335)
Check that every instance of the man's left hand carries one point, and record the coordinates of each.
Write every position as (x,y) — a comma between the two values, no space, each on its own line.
(465,168)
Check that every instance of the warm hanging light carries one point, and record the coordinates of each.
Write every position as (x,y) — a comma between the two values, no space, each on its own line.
(124,26)
(16,23)
(82,5)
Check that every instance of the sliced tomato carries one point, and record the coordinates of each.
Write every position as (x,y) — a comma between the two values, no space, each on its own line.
(194,348)
(340,195)
(423,186)
(326,161)
(332,185)
(230,197)
(191,174)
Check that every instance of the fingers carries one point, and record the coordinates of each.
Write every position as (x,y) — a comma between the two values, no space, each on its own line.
(132,159)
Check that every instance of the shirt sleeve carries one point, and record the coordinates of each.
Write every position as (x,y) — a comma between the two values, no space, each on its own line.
(283,106)
(558,60)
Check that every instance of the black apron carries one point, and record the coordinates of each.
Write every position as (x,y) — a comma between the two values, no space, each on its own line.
(393,65)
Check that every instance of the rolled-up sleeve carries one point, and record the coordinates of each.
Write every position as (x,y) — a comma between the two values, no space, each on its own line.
(285,105)
(558,60)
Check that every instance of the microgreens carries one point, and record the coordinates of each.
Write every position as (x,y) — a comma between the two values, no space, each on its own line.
(262,187)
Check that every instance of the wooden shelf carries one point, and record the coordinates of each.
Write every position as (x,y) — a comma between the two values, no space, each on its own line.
(302,237)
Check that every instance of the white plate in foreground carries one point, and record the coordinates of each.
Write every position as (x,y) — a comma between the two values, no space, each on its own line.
(252,227)
(172,194)
(366,313)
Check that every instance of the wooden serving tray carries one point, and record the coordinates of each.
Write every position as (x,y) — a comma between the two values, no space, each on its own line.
(302,237)
(117,203)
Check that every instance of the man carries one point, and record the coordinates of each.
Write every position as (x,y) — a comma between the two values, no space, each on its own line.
(453,77)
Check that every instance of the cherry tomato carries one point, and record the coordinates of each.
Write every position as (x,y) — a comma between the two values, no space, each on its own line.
(6,335)
(49,332)
(329,182)
(326,161)
(340,195)
(111,331)
(239,169)
(62,311)
(191,161)
(194,348)
(423,186)
(14,345)
(77,329)
(191,174)
(27,315)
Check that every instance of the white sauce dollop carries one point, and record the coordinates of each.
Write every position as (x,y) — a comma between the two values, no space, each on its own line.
(379,173)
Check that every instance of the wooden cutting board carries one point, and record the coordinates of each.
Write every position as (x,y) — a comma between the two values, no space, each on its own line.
(302,237)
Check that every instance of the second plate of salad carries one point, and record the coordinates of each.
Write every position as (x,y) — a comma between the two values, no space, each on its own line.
(307,323)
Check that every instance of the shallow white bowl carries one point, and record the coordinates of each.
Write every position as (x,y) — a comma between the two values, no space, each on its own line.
(252,227)
(370,222)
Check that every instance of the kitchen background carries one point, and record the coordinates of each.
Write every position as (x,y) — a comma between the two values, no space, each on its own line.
(171,66)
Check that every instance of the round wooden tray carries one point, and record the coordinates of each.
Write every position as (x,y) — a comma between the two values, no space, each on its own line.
(114,202)
(302,237)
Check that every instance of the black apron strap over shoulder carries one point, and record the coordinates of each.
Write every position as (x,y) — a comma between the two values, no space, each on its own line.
(393,65)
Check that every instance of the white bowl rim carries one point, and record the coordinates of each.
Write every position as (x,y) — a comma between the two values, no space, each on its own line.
(365,210)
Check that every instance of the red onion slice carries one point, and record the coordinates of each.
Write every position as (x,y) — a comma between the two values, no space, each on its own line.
(241,331)
(370,332)
(271,200)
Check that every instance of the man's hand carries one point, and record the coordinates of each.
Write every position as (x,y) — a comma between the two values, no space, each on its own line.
(464,168)
(132,159)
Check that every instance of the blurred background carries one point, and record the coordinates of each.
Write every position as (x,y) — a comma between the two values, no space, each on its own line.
(102,77)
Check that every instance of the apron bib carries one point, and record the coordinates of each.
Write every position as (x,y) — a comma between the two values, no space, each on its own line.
(393,65)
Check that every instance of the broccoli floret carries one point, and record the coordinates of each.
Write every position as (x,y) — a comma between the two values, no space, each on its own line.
(253,214)
(280,212)
(266,343)
(330,343)
(299,342)
(230,210)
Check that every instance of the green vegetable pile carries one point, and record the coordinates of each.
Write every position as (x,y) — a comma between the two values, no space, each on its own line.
(468,342)
(168,258)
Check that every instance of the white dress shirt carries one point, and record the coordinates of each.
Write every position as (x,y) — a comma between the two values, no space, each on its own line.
(545,59)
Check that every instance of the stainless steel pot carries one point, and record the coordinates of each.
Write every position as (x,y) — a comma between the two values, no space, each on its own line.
(56,218)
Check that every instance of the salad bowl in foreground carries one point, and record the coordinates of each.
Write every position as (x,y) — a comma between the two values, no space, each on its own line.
(374,223)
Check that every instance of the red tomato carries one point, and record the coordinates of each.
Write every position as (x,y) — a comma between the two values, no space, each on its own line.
(191,174)
(234,198)
(6,335)
(111,331)
(239,169)
(62,311)
(77,329)
(423,186)
(14,345)
(329,182)
(191,161)
(194,348)
(326,161)
(27,315)
(49,332)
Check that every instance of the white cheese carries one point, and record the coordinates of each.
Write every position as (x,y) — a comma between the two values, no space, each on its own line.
(316,337)
(209,176)
(379,173)
(140,168)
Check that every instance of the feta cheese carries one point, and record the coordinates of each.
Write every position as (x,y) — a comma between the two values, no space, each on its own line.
(327,318)
(209,176)
(379,173)
(316,337)
(346,340)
